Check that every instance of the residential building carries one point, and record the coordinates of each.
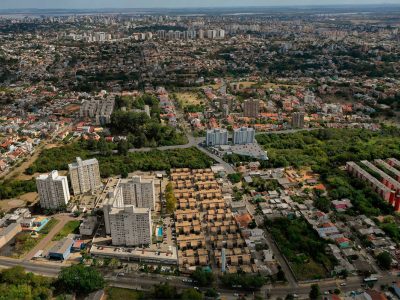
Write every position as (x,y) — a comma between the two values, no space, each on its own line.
(216,137)
(298,120)
(251,108)
(130,226)
(53,190)
(84,175)
(243,136)
(139,192)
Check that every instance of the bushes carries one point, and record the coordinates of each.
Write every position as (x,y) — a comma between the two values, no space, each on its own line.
(330,147)
(15,283)
(302,246)
(81,279)
(245,281)
(114,164)
(11,189)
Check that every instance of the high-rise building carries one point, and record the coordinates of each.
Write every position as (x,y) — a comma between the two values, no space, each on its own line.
(130,226)
(53,190)
(221,33)
(139,192)
(201,34)
(298,120)
(251,108)
(84,175)
(243,136)
(217,137)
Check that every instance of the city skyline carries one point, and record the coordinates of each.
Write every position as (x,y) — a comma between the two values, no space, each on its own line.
(85,4)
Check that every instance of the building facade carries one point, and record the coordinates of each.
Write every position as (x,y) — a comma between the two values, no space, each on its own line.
(130,226)
(251,108)
(53,190)
(243,136)
(217,137)
(84,175)
(298,120)
(139,192)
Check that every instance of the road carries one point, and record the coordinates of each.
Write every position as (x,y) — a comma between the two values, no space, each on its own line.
(146,281)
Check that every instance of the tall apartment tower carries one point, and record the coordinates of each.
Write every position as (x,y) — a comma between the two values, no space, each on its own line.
(130,226)
(217,137)
(53,190)
(243,136)
(84,175)
(298,120)
(251,108)
(139,192)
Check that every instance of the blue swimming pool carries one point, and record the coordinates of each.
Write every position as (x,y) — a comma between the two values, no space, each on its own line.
(159,231)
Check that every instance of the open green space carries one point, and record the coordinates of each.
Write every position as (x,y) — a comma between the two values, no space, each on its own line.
(49,226)
(329,147)
(302,247)
(116,164)
(14,188)
(25,242)
(115,293)
(70,227)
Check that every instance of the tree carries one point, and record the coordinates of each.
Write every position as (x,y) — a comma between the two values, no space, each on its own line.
(191,294)
(235,177)
(322,203)
(212,293)
(203,277)
(164,291)
(384,260)
(289,297)
(315,292)
(170,198)
(80,279)
(123,147)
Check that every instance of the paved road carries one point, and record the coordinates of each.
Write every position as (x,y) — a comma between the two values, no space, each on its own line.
(146,281)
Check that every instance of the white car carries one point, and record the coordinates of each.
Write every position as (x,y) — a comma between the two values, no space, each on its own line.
(343,284)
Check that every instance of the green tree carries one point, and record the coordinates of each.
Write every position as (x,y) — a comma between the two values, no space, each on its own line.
(315,292)
(191,294)
(384,260)
(164,291)
(170,198)
(80,279)
(203,277)
(322,203)
(123,147)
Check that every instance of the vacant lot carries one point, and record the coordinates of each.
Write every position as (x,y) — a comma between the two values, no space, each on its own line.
(70,227)
(188,98)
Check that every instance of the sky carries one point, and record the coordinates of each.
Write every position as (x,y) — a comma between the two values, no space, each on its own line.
(79,4)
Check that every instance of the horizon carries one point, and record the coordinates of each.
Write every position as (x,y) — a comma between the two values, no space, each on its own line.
(179,4)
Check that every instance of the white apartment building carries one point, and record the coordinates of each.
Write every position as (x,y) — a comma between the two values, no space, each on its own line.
(243,136)
(53,190)
(139,192)
(217,137)
(84,175)
(133,191)
(130,226)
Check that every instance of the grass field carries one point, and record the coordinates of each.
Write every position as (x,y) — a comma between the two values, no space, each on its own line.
(188,98)
(114,293)
(70,227)
(49,226)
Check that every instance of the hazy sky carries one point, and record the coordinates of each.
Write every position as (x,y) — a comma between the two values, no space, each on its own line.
(4,4)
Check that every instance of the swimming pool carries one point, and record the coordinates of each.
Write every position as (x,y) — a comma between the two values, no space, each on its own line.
(159,231)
